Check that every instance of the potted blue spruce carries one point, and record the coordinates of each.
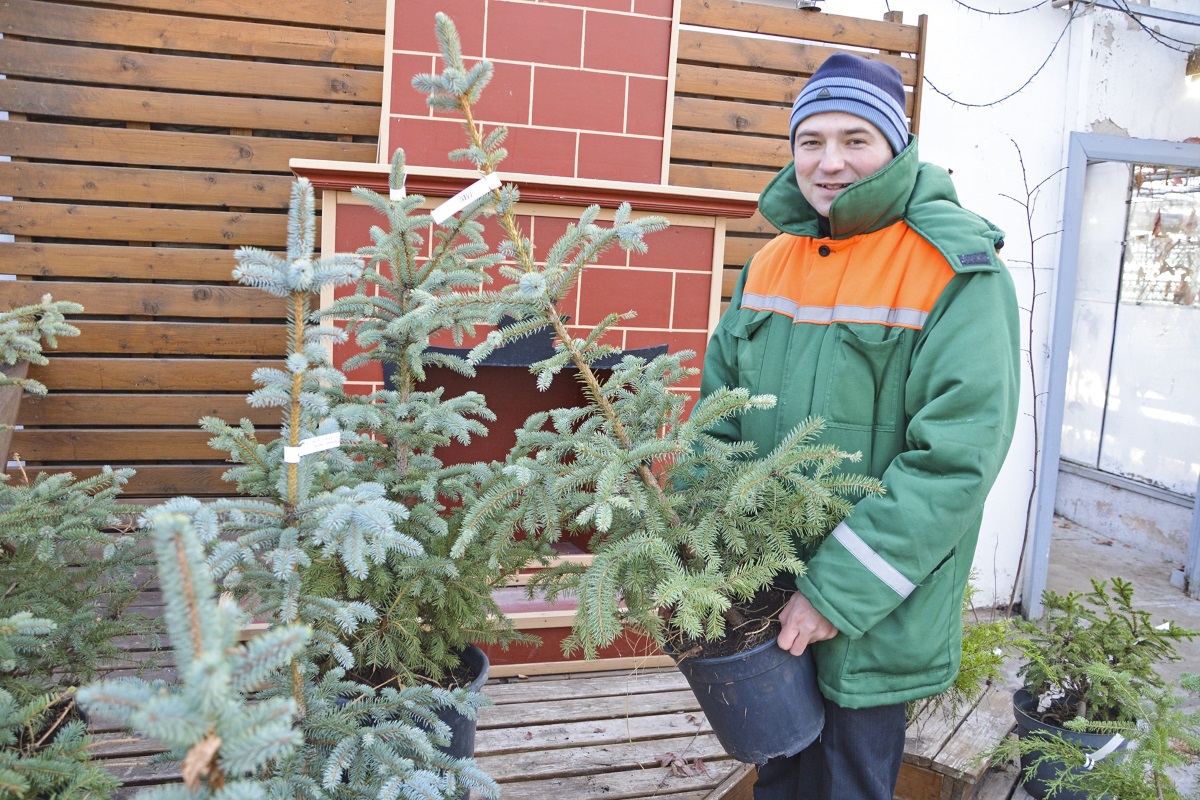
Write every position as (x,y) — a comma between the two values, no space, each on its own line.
(306,531)
(690,536)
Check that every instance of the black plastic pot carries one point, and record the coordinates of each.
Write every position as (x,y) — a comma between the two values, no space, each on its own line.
(761,704)
(462,742)
(462,729)
(1024,707)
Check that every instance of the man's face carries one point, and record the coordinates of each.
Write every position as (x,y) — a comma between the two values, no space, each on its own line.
(833,150)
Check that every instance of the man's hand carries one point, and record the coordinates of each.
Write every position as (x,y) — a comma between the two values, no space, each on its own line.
(802,625)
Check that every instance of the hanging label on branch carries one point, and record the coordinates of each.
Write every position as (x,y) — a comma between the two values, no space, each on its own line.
(398,192)
(467,196)
(313,444)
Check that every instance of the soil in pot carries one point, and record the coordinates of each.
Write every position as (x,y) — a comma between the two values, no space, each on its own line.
(761,701)
(1031,723)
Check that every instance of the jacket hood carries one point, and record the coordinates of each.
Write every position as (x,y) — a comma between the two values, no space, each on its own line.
(921,194)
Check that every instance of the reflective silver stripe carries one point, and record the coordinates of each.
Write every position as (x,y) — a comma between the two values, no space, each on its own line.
(873,561)
(908,317)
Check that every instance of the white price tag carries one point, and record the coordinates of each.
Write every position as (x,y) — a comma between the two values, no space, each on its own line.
(313,444)
(467,196)
(398,193)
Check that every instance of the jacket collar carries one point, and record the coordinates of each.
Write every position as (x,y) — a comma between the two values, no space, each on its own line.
(869,205)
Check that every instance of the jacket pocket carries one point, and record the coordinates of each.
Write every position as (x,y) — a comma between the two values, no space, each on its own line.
(915,639)
(863,380)
(750,333)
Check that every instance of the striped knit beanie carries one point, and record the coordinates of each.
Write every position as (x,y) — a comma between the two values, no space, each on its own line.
(868,89)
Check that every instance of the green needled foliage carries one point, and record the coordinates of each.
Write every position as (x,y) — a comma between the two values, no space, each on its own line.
(69,570)
(1082,630)
(24,330)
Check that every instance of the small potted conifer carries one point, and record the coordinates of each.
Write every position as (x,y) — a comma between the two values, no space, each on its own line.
(1089,678)
(691,537)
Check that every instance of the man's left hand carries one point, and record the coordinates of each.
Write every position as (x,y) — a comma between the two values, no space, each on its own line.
(802,625)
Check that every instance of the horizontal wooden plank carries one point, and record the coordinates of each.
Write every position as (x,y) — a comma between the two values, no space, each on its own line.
(751,225)
(57,260)
(572,709)
(113,447)
(737,84)
(101,145)
(784,21)
(597,760)
(728,148)
(792,58)
(731,178)
(150,374)
(22,96)
(95,184)
(162,481)
(148,299)
(654,781)
(176,338)
(148,409)
(109,26)
(739,248)
(188,73)
(729,116)
(594,686)
(355,14)
(588,732)
(149,225)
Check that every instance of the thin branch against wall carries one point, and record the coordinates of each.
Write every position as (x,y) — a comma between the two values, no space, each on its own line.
(1028,203)
(1020,88)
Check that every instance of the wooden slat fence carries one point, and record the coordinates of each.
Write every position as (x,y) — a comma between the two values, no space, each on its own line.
(148,140)
(740,67)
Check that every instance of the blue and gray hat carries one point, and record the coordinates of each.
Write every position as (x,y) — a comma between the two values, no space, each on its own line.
(868,89)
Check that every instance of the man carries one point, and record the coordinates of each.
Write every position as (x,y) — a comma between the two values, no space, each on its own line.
(883,308)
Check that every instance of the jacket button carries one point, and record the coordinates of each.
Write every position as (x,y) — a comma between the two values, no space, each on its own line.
(824,250)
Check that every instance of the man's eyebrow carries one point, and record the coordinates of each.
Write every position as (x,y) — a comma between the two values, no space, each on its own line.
(839,132)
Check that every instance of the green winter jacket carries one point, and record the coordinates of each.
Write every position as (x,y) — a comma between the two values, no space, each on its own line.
(901,331)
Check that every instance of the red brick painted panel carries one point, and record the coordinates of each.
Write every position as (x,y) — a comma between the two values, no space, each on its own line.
(620,158)
(678,247)
(415,24)
(604,5)
(425,141)
(535,33)
(506,98)
(354,227)
(608,38)
(692,293)
(653,8)
(605,291)
(550,229)
(646,107)
(578,99)
(406,99)
(540,152)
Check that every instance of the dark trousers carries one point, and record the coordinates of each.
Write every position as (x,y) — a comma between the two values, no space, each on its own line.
(857,757)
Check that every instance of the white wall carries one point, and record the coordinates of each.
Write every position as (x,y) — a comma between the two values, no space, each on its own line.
(1106,76)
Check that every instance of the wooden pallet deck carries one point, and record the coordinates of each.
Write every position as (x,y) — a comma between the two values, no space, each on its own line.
(636,734)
